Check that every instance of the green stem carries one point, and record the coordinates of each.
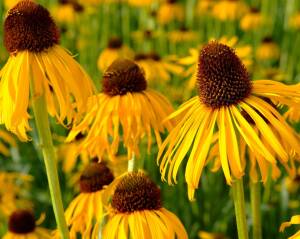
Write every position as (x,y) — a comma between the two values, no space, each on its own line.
(42,123)
(239,206)
(255,208)
(132,164)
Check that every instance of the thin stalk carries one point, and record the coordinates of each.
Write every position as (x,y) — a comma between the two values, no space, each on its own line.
(42,123)
(132,164)
(239,206)
(255,208)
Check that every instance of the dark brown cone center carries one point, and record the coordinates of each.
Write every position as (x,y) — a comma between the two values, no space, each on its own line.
(123,76)
(29,26)
(115,43)
(21,222)
(94,177)
(222,78)
(136,192)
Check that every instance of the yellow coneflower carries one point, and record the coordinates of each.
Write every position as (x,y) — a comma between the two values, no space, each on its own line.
(268,50)
(295,220)
(70,153)
(22,225)
(225,91)
(229,10)
(6,140)
(242,51)
(136,212)
(252,20)
(142,36)
(87,208)
(210,235)
(126,105)
(67,11)
(157,69)
(115,49)
(183,35)
(170,11)
(37,61)
(10,3)
(13,188)
(204,7)
(138,3)
(294,21)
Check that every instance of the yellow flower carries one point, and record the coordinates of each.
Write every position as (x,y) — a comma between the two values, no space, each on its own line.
(6,139)
(209,235)
(64,13)
(114,50)
(242,51)
(252,20)
(268,50)
(204,7)
(124,105)
(170,11)
(39,63)
(13,188)
(139,3)
(10,3)
(22,225)
(295,220)
(225,91)
(87,208)
(157,69)
(229,10)
(70,153)
(148,35)
(294,21)
(183,35)
(137,212)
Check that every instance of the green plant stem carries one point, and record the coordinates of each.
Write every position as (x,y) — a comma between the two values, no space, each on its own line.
(42,123)
(132,164)
(239,206)
(255,208)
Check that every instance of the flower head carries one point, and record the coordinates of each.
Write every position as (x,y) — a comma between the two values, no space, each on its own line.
(87,208)
(136,207)
(37,64)
(125,104)
(115,49)
(22,224)
(225,92)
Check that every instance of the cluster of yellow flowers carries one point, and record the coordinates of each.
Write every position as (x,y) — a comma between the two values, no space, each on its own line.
(234,123)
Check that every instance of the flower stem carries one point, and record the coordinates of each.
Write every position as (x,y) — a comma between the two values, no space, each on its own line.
(46,144)
(131,164)
(239,205)
(255,208)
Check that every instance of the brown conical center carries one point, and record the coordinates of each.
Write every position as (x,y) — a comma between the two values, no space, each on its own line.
(29,26)
(136,192)
(123,76)
(222,78)
(21,222)
(115,43)
(94,177)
